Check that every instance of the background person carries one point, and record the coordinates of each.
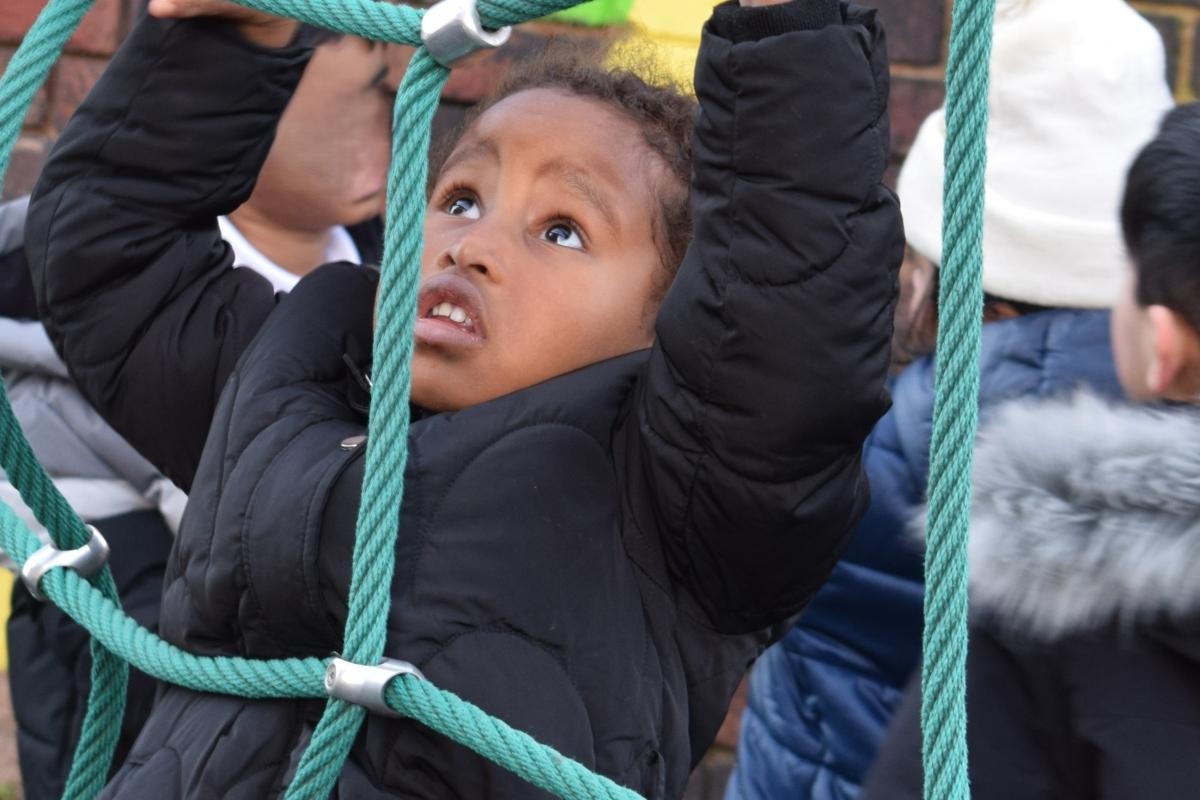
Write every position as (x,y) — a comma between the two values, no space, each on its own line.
(316,200)
(1077,87)
(1083,672)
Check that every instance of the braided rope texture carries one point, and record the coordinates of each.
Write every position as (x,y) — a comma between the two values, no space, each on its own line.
(25,74)
(377,528)
(956,407)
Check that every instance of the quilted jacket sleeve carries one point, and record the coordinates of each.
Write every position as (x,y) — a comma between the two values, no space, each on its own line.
(771,358)
(131,275)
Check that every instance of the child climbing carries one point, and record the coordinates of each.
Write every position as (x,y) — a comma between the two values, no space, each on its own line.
(617,494)
(1085,546)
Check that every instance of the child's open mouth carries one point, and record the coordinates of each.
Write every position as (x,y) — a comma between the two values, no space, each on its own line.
(449,313)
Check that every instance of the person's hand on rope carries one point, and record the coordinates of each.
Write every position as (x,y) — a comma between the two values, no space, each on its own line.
(258,26)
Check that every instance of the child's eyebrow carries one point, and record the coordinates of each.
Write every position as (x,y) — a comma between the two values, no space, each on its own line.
(581,184)
(483,148)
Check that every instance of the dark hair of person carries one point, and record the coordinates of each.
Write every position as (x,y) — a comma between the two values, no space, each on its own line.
(660,110)
(1160,216)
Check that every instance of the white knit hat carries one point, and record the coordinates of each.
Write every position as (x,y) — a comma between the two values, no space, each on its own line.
(1077,89)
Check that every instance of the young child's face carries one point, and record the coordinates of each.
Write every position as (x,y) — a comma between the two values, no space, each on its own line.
(540,255)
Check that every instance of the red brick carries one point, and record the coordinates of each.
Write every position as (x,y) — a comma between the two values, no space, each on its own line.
(17,17)
(74,78)
(37,109)
(99,32)
(27,159)
(915,29)
(912,100)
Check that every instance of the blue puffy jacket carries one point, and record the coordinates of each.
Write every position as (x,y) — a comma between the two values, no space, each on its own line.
(821,699)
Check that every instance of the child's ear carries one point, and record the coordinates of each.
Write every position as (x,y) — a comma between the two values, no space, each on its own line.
(1174,362)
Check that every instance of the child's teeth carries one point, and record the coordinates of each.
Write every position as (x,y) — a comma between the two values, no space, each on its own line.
(451,312)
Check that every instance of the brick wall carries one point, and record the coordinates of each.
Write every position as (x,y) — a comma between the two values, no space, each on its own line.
(86,54)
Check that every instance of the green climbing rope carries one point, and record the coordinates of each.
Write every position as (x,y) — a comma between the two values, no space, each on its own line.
(303,678)
(956,406)
(118,639)
(26,73)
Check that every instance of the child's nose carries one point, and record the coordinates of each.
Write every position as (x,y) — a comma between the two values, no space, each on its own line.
(478,251)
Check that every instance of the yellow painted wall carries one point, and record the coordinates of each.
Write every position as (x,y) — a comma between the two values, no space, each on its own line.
(6,584)
(674,28)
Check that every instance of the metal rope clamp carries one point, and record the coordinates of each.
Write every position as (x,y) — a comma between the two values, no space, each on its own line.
(366,686)
(452,30)
(86,561)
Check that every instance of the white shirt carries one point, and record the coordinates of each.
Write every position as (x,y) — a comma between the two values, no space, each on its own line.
(341,248)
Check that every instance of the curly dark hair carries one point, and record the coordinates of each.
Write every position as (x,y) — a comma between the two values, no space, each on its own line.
(662,112)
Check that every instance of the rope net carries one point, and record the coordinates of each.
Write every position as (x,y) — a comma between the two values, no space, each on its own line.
(119,640)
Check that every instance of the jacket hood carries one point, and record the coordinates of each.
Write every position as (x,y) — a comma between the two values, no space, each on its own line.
(1087,515)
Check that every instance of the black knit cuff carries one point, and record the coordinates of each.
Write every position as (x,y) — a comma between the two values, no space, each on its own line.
(731,21)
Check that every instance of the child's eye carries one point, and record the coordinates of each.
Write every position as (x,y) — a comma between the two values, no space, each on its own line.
(463,207)
(564,235)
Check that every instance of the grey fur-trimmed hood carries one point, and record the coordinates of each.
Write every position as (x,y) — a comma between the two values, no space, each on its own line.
(1087,514)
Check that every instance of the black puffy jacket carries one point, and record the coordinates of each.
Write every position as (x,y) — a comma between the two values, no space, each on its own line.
(595,559)
(1083,671)
(115,490)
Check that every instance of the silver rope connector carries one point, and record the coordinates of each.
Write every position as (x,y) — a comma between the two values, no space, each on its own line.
(452,30)
(86,561)
(365,686)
